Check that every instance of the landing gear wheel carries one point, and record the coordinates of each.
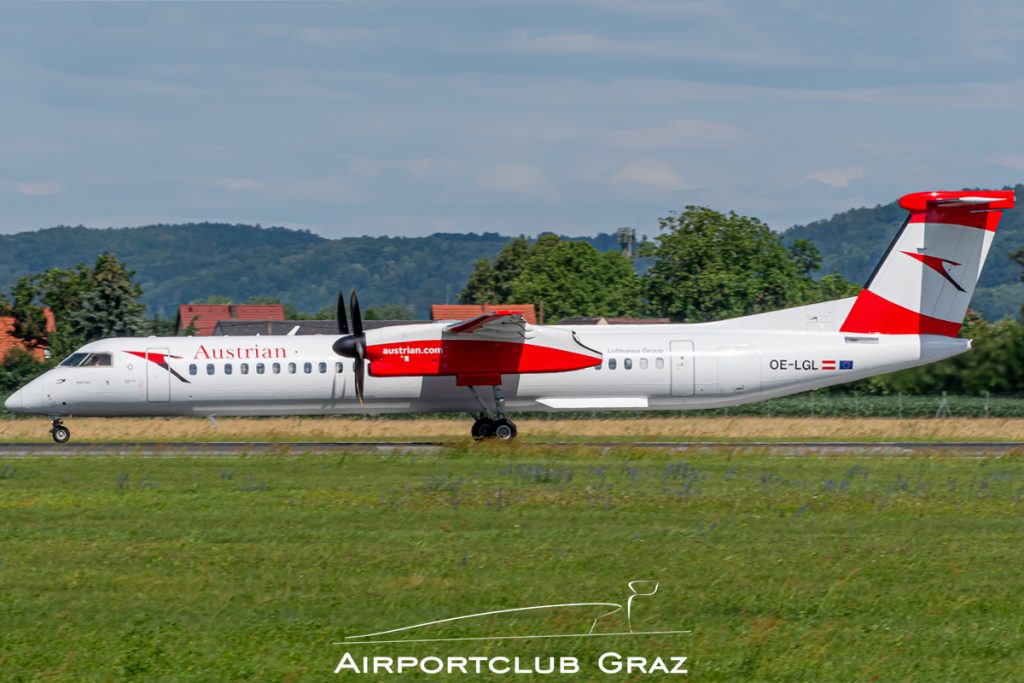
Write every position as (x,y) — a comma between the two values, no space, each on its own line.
(60,433)
(482,429)
(505,430)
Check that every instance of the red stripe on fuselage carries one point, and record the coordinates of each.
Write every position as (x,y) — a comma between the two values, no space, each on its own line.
(470,357)
(871,313)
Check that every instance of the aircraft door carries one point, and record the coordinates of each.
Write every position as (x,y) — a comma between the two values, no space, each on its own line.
(340,373)
(158,379)
(681,362)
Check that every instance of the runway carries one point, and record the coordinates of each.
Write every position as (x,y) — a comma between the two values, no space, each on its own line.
(790,448)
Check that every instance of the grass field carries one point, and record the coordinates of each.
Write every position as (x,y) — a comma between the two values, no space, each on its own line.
(653,428)
(250,568)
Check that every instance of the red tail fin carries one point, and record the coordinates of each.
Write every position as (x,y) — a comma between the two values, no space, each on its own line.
(924,282)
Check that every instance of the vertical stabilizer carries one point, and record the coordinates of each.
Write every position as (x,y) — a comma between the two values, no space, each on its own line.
(925,280)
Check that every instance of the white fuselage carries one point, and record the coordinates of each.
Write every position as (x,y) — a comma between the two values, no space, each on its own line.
(645,367)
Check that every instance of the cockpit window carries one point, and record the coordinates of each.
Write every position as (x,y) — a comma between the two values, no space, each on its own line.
(87,360)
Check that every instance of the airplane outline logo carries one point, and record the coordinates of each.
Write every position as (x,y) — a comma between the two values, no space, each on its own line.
(636,588)
(937,264)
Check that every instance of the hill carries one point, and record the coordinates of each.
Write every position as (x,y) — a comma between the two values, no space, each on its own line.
(180,263)
(190,262)
(852,242)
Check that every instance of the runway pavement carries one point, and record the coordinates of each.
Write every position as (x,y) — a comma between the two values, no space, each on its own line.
(795,448)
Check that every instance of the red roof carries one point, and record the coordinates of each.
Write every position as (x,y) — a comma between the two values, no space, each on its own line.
(466,311)
(7,342)
(206,316)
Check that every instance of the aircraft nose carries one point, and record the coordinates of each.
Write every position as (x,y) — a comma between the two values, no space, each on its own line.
(15,402)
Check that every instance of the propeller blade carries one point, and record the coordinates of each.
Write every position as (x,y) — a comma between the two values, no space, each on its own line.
(357,319)
(360,369)
(341,317)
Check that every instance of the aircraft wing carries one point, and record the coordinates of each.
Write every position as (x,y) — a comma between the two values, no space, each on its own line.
(495,325)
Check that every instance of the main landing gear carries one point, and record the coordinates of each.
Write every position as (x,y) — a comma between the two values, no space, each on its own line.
(58,431)
(492,425)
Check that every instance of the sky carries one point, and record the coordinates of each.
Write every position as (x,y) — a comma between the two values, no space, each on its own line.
(409,117)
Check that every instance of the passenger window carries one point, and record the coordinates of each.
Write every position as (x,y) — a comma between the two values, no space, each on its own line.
(628,364)
(209,368)
(643,363)
(599,366)
(307,368)
(259,368)
(193,369)
(227,368)
(611,363)
(276,367)
(323,368)
(338,367)
(244,368)
(291,368)
(659,363)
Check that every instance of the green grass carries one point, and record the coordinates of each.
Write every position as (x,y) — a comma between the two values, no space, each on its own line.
(250,568)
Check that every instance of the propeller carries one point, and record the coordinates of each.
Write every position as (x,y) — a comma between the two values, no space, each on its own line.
(341,317)
(352,344)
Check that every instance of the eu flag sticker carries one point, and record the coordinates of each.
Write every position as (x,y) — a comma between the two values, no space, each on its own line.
(846,365)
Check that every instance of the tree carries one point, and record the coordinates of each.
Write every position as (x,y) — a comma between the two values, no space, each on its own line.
(1018,257)
(388,312)
(569,278)
(995,363)
(710,265)
(110,307)
(479,287)
(219,299)
(493,283)
(835,286)
(574,278)
(87,304)
(18,369)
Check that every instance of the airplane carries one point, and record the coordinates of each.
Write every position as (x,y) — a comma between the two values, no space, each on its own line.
(908,314)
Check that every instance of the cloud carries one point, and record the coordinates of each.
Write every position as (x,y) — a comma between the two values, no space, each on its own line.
(419,168)
(40,188)
(677,134)
(531,128)
(330,190)
(516,178)
(237,184)
(836,177)
(651,175)
(663,8)
(1007,160)
(731,49)
(346,37)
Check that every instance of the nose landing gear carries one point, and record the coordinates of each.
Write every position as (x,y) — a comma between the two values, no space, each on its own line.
(58,431)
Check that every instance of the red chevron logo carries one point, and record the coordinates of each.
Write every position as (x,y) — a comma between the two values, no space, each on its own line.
(938,265)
